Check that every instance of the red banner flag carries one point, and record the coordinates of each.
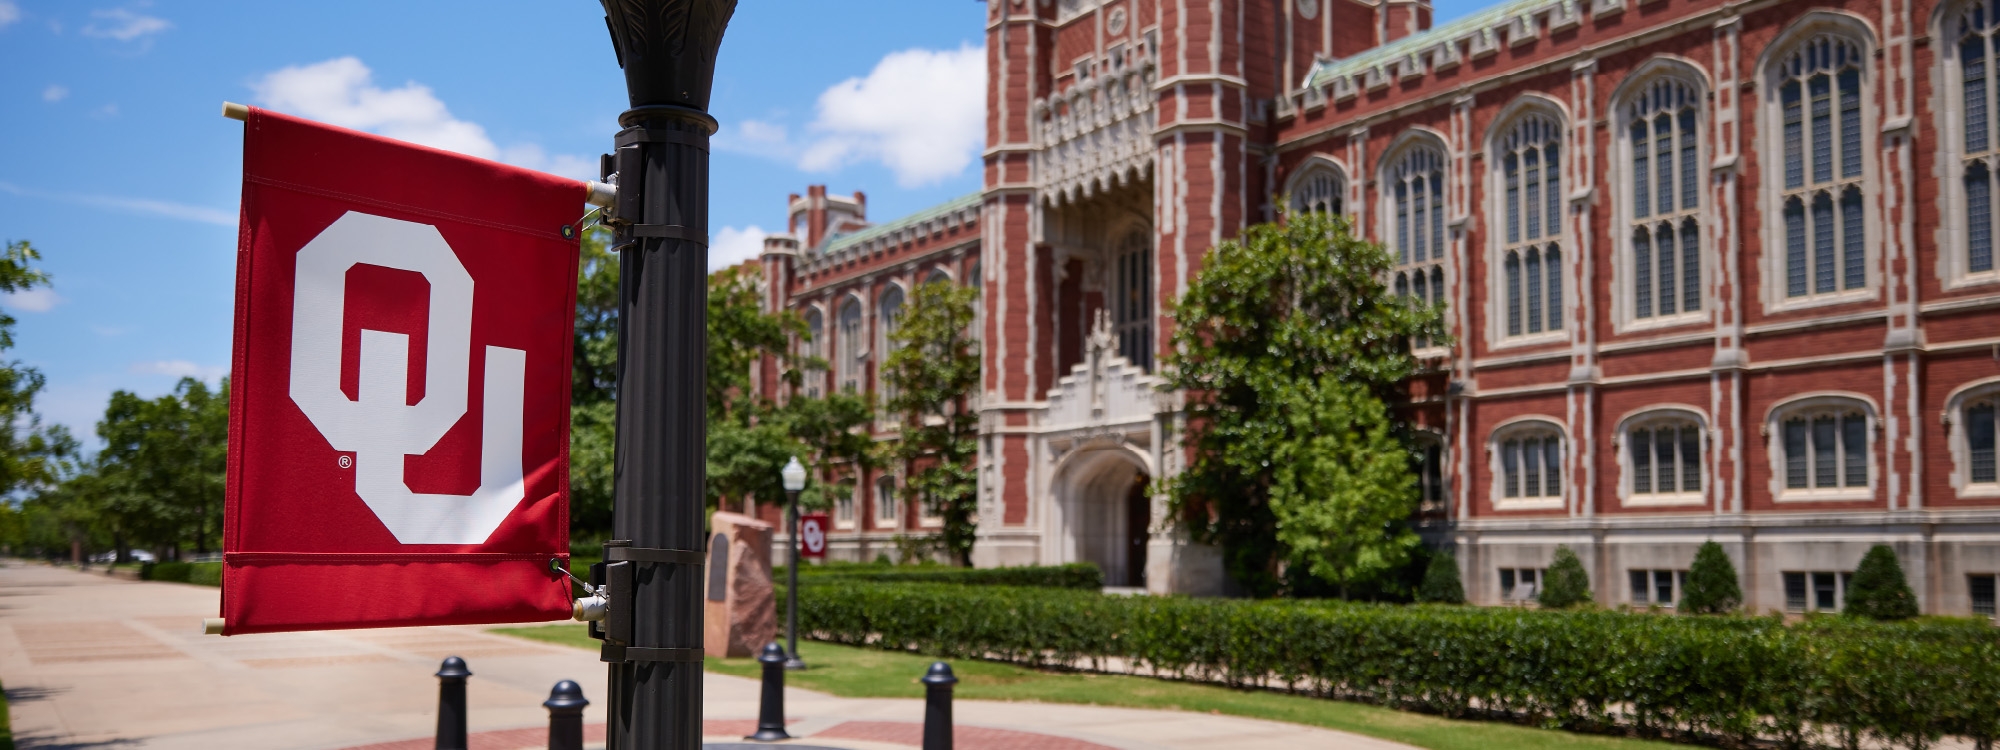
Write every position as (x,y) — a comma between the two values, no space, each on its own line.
(399,412)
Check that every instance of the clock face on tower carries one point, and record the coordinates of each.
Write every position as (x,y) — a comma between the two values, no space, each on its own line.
(1308,9)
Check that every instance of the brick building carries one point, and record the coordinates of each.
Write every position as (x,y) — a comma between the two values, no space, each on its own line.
(1714,271)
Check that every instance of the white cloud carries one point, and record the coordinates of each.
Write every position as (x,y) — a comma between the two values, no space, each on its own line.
(55,93)
(178,368)
(342,92)
(145,206)
(922,113)
(105,112)
(731,246)
(124,24)
(757,138)
(42,299)
(9,13)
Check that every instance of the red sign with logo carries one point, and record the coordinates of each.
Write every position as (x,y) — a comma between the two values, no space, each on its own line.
(812,534)
(399,412)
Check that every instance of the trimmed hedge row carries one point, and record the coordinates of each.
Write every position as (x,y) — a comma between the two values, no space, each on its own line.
(200,574)
(1731,679)
(1083,576)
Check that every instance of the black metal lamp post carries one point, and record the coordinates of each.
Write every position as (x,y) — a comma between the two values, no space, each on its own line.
(653,633)
(794,475)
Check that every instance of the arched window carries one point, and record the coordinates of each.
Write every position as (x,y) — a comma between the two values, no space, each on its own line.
(1432,492)
(1320,189)
(1414,185)
(978,284)
(1973,32)
(1132,300)
(843,509)
(813,349)
(1530,465)
(1975,421)
(887,507)
(1663,146)
(1663,459)
(853,346)
(937,275)
(1819,118)
(1528,172)
(889,313)
(1821,448)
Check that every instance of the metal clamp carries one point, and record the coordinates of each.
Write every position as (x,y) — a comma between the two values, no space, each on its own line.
(671,232)
(693,558)
(662,135)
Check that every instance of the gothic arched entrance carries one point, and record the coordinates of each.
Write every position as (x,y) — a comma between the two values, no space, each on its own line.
(1105,514)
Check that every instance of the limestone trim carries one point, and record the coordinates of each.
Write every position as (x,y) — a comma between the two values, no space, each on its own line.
(1532,126)
(1654,416)
(1838,404)
(1952,235)
(1957,425)
(1510,440)
(1661,76)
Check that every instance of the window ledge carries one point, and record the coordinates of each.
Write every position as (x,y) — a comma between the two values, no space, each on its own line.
(1825,496)
(1532,339)
(1552,503)
(1793,304)
(1661,501)
(1981,490)
(1660,322)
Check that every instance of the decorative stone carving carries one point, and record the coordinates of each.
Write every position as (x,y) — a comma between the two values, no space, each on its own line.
(1097,134)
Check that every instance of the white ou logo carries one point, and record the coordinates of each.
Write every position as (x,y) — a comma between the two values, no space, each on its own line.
(380,427)
(813,536)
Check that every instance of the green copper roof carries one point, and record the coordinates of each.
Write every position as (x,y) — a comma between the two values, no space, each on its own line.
(1325,71)
(841,242)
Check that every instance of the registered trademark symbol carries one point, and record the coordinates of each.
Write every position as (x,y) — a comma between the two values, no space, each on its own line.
(346,462)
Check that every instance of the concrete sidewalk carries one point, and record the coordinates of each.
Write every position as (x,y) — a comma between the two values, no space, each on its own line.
(91,661)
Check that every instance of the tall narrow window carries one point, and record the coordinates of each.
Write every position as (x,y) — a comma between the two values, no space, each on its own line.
(1665,456)
(889,313)
(853,347)
(1132,300)
(1663,140)
(1818,98)
(1320,190)
(1825,449)
(1530,171)
(1430,478)
(888,507)
(1415,186)
(1978,417)
(813,349)
(1531,463)
(1978,63)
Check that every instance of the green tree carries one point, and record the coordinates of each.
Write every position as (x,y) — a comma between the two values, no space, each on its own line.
(836,446)
(28,449)
(933,371)
(1565,584)
(1441,584)
(1712,587)
(162,465)
(1879,590)
(593,411)
(749,440)
(1289,344)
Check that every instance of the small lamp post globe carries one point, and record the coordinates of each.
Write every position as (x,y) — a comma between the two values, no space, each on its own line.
(794,477)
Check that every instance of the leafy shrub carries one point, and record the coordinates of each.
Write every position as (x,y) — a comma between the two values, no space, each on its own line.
(1879,590)
(1071,576)
(1441,583)
(1711,583)
(1565,584)
(1723,679)
(203,574)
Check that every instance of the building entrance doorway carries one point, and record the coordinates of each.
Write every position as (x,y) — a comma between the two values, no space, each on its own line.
(1106,516)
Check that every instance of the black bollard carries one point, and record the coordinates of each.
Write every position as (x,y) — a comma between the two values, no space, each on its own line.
(565,705)
(451,704)
(771,714)
(937,706)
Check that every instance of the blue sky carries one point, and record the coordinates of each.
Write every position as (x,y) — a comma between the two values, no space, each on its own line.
(115,162)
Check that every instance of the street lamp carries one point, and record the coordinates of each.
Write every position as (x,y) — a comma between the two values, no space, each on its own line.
(653,633)
(794,475)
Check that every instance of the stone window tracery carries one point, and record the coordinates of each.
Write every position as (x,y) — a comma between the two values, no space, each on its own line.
(813,348)
(1529,465)
(1821,448)
(1974,422)
(1663,459)
(1131,300)
(1320,189)
(1819,115)
(1663,206)
(889,314)
(1414,186)
(1528,170)
(853,346)
(1971,67)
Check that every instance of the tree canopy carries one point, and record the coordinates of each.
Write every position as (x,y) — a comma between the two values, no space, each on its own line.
(932,371)
(1289,344)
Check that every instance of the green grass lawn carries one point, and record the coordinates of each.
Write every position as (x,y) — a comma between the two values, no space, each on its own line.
(868,673)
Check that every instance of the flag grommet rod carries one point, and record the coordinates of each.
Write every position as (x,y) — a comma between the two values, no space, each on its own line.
(235,111)
(213,625)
